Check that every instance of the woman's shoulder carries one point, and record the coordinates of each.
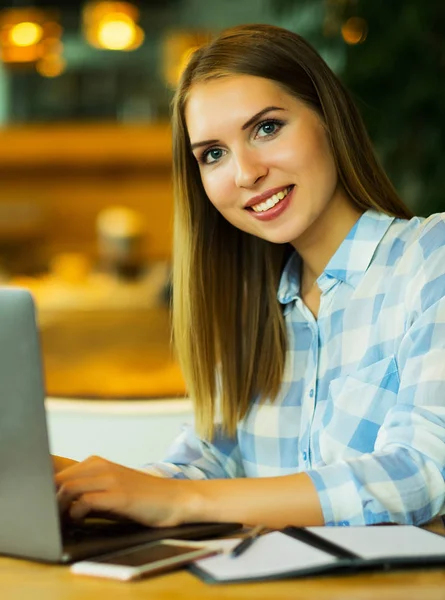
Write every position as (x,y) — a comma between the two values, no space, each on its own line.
(422,235)
(422,262)
(432,234)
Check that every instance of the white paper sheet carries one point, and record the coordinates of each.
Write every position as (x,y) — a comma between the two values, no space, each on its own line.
(384,541)
(271,554)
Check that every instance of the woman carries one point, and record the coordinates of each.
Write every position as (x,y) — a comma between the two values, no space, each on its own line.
(308,310)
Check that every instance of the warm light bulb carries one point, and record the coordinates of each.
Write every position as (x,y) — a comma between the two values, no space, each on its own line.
(51,65)
(354,31)
(117,32)
(25,34)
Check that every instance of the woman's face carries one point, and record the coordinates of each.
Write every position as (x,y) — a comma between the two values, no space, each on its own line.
(264,157)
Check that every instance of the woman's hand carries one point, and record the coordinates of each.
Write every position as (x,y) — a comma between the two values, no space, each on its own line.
(60,463)
(98,485)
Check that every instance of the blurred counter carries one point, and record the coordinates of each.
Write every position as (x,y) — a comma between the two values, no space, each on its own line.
(111,355)
(86,145)
(107,338)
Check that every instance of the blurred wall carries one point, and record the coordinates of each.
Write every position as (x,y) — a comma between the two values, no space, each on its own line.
(72,172)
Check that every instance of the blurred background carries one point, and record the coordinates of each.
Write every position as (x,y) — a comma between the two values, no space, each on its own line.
(85,160)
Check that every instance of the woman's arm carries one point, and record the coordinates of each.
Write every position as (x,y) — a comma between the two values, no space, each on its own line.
(203,483)
(99,485)
(272,501)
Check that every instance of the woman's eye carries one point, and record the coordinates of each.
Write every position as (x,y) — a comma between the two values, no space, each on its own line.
(212,155)
(267,128)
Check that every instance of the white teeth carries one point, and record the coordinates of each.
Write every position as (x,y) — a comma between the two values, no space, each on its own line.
(271,202)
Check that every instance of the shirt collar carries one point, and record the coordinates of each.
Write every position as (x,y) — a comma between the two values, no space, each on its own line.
(350,261)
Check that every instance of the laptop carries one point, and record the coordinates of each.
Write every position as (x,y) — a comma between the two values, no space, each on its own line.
(30,525)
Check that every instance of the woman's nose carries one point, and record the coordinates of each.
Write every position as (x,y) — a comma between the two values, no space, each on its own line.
(249,169)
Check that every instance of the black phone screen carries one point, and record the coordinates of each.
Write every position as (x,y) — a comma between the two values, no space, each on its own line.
(146,555)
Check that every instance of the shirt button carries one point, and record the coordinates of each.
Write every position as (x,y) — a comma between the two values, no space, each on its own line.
(304,455)
(311,393)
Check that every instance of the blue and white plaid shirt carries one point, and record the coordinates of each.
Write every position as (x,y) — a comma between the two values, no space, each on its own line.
(362,406)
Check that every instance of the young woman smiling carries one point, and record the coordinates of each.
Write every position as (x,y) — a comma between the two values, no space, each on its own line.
(308,310)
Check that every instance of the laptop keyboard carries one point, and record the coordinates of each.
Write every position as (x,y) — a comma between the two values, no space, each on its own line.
(95,529)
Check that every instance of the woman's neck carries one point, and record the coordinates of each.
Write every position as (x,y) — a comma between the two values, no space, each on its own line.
(320,242)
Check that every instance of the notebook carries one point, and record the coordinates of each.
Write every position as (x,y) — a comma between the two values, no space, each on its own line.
(29,520)
(296,552)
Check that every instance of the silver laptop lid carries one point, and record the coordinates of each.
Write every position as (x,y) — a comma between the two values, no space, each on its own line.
(29,522)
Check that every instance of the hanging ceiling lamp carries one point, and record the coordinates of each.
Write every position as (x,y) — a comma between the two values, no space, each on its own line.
(28,35)
(112,25)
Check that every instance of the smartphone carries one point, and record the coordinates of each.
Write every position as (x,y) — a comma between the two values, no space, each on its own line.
(147,559)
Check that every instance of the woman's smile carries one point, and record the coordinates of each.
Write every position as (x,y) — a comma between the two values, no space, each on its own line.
(273,206)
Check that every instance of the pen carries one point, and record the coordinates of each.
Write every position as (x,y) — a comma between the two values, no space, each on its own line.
(247,541)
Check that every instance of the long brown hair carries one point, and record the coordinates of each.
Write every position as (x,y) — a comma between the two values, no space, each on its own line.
(228,326)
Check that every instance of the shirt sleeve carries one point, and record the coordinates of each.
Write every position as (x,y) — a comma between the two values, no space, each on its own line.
(402,480)
(190,457)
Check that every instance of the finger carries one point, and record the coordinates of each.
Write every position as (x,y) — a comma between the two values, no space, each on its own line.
(63,504)
(80,485)
(93,502)
(61,462)
(68,492)
(73,489)
(91,466)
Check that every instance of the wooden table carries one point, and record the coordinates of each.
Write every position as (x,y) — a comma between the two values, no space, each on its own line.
(21,580)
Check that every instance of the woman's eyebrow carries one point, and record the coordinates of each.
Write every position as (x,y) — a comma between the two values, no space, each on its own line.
(247,124)
(203,143)
(258,115)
